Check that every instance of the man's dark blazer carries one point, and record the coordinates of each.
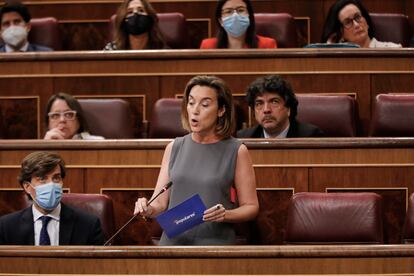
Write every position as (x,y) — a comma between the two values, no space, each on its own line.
(296,129)
(31,48)
(76,228)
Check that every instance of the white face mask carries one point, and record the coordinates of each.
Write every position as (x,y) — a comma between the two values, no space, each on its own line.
(14,35)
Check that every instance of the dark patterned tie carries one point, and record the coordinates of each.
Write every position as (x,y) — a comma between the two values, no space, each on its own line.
(44,236)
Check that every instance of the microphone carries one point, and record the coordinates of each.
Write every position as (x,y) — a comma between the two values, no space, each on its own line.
(166,187)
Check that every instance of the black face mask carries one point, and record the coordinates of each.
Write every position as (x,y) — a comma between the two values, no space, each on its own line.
(138,24)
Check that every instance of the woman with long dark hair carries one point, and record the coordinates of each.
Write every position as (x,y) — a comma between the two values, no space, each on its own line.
(136,27)
(349,21)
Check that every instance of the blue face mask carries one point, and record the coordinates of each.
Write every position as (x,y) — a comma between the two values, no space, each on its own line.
(48,195)
(236,24)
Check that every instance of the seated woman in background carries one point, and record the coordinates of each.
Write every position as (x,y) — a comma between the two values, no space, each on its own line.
(65,119)
(136,27)
(349,21)
(236,28)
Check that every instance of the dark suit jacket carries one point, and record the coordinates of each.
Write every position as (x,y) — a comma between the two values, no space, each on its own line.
(31,48)
(76,228)
(296,129)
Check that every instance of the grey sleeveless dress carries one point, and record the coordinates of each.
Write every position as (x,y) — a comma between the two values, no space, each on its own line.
(207,170)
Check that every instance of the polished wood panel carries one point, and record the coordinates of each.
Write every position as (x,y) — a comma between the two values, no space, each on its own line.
(270,225)
(217,260)
(20,116)
(158,74)
(139,231)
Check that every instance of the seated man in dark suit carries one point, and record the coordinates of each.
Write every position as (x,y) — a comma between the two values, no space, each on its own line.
(47,221)
(275,108)
(15,27)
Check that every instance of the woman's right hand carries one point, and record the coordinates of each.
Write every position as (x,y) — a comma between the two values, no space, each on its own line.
(54,134)
(142,208)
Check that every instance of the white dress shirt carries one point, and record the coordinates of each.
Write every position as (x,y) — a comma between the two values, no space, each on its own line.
(22,49)
(283,134)
(52,226)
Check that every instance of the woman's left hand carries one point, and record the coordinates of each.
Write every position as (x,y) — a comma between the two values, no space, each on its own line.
(216,213)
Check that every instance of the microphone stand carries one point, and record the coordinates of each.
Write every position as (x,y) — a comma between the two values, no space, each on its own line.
(166,187)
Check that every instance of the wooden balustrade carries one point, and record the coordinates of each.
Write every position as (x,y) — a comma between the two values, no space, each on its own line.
(209,260)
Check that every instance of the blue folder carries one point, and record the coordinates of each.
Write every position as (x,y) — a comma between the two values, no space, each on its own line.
(182,217)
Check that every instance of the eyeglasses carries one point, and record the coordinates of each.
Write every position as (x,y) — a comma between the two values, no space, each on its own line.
(68,115)
(274,104)
(348,23)
(229,11)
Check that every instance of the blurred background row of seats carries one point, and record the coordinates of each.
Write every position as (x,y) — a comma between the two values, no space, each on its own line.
(313,218)
(280,26)
(336,115)
(111,118)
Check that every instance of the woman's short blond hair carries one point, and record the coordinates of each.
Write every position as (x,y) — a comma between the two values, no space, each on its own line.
(226,123)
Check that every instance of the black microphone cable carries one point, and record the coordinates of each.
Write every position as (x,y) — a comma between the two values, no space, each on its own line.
(166,187)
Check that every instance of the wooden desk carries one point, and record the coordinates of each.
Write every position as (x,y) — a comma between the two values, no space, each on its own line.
(126,169)
(142,77)
(210,260)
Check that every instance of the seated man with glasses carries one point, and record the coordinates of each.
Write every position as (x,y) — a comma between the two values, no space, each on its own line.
(236,28)
(47,221)
(275,108)
(65,119)
(349,21)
